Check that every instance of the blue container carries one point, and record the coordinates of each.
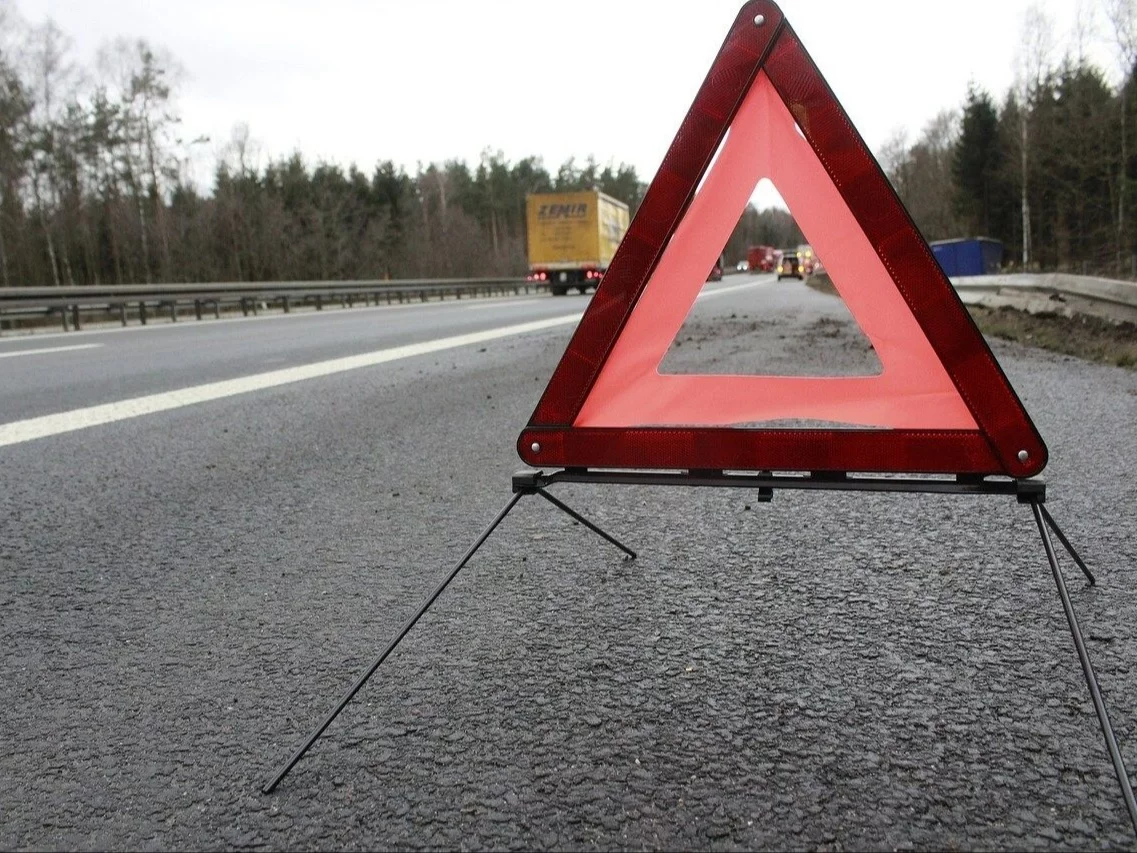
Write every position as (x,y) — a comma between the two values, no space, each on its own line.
(971,256)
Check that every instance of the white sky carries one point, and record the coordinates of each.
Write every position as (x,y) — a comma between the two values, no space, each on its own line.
(428,80)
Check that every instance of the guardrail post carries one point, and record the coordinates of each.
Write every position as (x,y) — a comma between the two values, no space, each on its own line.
(173,311)
(122,312)
(244,307)
(217,309)
(75,316)
(63,316)
(319,303)
(142,312)
(287,306)
(197,308)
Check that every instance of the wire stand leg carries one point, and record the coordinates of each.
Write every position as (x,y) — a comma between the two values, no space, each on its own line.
(347,697)
(1087,667)
(574,514)
(1066,544)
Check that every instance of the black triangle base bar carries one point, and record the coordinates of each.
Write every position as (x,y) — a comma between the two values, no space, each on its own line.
(530,482)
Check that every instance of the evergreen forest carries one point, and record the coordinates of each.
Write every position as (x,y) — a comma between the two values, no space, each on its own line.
(96,184)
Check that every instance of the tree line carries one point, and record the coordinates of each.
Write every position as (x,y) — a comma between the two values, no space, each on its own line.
(96,184)
(1049,168)
(96,188)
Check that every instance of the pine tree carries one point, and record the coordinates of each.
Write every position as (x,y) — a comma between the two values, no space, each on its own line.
(976,162)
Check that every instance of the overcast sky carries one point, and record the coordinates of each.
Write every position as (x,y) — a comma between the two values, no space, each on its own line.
(427,80)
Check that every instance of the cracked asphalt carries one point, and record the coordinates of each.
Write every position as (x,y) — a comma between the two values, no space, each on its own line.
(184,596)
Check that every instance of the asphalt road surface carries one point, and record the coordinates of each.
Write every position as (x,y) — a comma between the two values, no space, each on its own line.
(210,529)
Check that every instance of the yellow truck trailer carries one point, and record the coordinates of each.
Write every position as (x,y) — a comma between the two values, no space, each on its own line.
(572,237)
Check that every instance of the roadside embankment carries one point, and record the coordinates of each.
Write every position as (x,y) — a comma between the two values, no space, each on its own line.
(1091,318)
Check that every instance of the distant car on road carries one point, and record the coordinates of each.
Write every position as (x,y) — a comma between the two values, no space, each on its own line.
(743,266)
(807,260)
(790,266)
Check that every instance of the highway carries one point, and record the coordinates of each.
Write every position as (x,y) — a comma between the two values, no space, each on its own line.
(209,529)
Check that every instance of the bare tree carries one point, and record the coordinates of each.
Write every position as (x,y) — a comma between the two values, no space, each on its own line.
(15,107)
(896,161)
(55,80)
(1032,67)
(1085,30)
(238,167)
(143,80)
(1121,14)
(921,173)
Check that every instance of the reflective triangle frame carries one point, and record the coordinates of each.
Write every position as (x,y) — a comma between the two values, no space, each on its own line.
(1004,441)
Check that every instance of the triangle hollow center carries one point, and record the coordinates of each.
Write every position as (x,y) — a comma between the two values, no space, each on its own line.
(796,327)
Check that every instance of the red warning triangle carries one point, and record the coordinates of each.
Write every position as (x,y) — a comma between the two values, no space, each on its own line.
(941,403)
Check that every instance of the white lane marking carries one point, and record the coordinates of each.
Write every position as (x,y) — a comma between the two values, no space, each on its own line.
(44,350)
(297,314)
(499,304)
(719,291)
(41,427)
(33,428)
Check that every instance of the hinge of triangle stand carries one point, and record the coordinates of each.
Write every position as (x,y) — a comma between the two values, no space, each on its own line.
(527,481)
(1030,491)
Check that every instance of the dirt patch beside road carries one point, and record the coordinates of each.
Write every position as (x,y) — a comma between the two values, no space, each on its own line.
(1091,338)
(1085,337)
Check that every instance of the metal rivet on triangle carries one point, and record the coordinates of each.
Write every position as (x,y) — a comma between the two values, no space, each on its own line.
(535,447)
(1023,456)
(759,20)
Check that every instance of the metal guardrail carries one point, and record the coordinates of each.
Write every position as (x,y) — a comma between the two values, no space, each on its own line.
(123,302)
(1059,293)
(1036,292)
(1053,293)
